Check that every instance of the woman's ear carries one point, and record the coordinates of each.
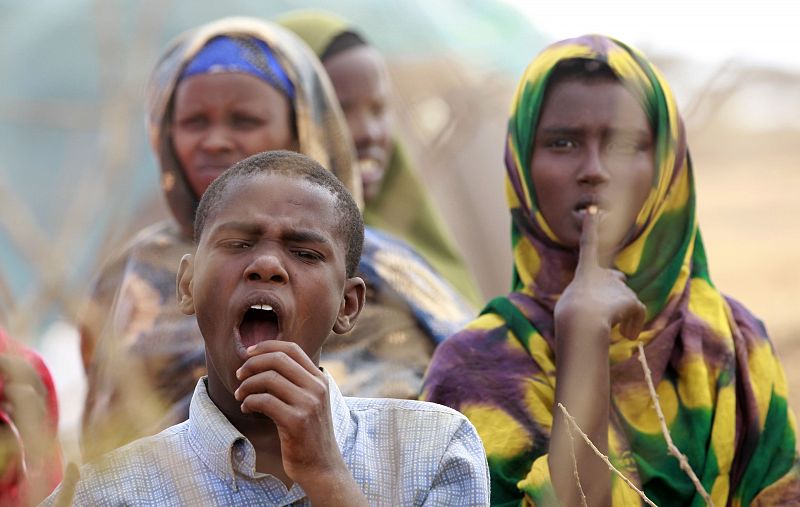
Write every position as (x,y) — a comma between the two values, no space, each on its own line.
(355,293)
(185,284)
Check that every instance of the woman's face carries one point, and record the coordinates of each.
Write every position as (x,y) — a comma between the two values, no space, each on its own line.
(220,119)
(593,146)
(361,81)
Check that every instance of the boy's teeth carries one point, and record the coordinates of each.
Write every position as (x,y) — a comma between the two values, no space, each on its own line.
(261,307)
(591,209)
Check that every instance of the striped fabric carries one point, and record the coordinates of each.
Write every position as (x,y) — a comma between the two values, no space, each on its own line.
(722,389)
(400,453)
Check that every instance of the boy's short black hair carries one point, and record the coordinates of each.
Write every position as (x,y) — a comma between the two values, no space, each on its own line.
(289,163)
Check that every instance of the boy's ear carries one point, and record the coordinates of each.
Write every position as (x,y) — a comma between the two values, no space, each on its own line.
(185,284)
(355,293)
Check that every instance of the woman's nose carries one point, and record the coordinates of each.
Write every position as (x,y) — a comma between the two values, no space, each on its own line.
(217,139)
(368,129)
(266,267)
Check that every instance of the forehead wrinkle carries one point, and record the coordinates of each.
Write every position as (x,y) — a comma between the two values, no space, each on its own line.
(305,236)
(236,226)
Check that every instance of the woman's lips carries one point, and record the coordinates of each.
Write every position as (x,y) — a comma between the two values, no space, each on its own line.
(371,170)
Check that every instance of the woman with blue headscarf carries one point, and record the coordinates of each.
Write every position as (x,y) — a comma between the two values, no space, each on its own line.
(220,93)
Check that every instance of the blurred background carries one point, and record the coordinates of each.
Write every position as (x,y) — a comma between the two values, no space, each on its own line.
(77,176)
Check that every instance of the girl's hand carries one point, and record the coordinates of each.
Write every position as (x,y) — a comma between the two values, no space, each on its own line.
(597,298)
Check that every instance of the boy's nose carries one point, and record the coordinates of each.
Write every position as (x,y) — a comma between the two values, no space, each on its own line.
(266,267)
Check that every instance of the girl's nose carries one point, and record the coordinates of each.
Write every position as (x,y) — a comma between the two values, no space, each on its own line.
(593,170)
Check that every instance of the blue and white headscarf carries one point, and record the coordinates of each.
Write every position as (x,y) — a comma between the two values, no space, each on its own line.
(240,54)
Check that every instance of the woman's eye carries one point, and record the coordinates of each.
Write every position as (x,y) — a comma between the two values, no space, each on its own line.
(193,122)
(247,121)
(377,109)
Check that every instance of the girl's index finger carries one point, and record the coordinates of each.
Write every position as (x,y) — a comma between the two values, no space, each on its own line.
(588,255)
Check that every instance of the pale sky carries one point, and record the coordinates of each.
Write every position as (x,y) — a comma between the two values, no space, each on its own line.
(711,31)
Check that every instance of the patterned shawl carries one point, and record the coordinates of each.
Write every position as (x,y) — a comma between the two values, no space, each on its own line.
(149,355)
(403,206)
(722,389)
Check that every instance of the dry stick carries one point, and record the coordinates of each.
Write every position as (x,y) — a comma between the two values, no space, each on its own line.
(603,456)
(672,449)
(575,464)
(6,300)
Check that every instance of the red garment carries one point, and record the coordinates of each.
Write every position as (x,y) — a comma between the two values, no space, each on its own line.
(46,471)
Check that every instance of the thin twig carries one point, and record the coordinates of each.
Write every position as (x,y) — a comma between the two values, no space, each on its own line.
(671,447)
(603,456)
(575,464)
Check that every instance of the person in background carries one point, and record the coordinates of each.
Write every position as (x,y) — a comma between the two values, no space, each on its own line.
(608,256)
(396,200)
(220,93)
(30,454)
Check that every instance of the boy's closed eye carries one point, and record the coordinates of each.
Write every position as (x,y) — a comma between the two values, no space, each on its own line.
(236,244)
(308,256)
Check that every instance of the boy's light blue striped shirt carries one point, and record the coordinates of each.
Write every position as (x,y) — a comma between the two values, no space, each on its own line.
(400,452)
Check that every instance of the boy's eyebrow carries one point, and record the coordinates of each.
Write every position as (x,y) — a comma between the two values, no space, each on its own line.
(251,229)
(305,236)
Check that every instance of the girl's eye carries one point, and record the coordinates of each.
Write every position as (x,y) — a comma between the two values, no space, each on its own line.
(624,146)
(562,144)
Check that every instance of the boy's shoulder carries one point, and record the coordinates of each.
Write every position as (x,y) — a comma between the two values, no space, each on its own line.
(431,451)
(147,450)
(123,472)
(409,419)
(391,407)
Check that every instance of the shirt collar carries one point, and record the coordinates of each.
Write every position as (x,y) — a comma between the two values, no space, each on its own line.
(343,424)
(225,451)
(213,438)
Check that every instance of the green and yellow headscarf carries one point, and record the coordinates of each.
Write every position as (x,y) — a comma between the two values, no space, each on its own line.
(722,388)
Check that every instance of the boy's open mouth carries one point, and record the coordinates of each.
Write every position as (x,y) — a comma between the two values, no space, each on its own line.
(259,323)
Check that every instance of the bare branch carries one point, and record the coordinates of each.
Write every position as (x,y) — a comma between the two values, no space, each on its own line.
(575,464)
(672,449)
(602,456)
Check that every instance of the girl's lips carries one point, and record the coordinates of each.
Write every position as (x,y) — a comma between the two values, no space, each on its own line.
(591,209)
